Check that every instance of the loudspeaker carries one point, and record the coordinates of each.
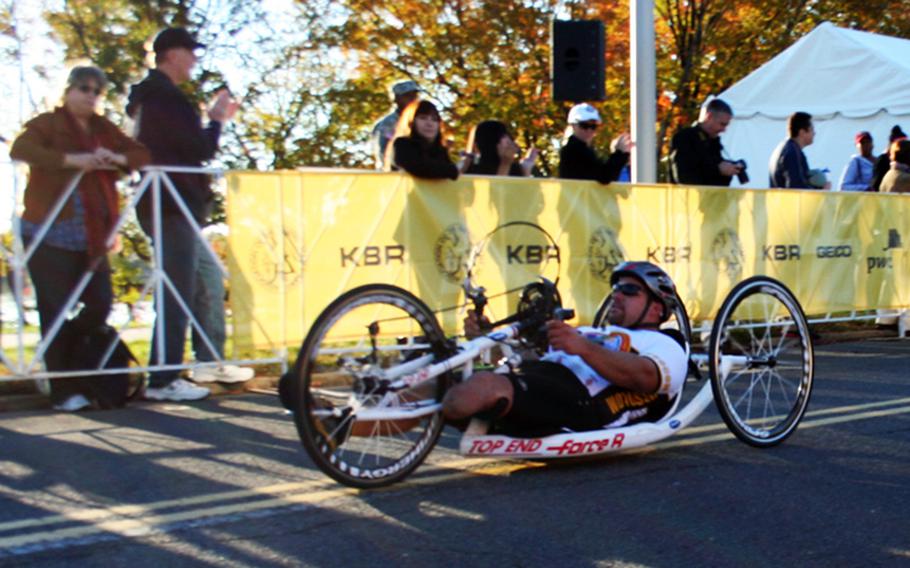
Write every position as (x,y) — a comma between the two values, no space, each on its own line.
(577,66)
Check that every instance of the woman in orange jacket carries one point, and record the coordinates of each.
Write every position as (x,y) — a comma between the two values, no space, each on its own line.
(69,141)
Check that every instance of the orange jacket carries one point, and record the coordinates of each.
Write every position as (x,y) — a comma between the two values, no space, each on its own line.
(43,144)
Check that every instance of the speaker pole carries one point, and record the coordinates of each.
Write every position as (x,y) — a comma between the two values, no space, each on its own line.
(644,92)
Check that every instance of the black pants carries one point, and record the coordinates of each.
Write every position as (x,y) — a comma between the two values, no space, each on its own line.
(548,397)
(55,273)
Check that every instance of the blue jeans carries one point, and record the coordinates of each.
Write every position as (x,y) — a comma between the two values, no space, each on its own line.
(208,306)
(179,259)
(55,273)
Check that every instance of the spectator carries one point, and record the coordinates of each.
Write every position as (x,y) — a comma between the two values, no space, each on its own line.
(57,145)
(577,159)
(788,165)
(897,180)
(857,174)
(208,309)
(496,153)
(883,163)
(696,154)
(169,124)
(403,94)
(417,148)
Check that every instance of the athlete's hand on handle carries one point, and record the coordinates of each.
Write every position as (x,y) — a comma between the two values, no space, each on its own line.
(564,337)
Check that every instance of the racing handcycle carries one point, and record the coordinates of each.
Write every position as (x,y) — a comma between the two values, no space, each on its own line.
(367,385)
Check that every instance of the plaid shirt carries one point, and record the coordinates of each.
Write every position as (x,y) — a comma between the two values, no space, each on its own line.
(66,234)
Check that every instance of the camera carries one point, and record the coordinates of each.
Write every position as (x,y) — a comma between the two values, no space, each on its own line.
(742,176)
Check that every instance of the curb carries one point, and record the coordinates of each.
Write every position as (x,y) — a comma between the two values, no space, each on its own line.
(29,401)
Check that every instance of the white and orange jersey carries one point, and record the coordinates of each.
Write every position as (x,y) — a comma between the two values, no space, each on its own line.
(666,353)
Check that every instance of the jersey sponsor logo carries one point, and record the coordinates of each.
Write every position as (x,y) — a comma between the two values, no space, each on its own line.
(623,400)
(614,341)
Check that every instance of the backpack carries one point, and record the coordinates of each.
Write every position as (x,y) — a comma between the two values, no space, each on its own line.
(86,350)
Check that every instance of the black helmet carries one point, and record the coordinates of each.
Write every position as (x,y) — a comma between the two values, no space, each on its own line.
(656,280)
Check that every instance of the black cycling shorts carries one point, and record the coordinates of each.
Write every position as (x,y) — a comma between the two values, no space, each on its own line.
(548,397)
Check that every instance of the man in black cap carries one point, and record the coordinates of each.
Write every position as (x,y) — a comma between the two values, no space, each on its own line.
(168,123)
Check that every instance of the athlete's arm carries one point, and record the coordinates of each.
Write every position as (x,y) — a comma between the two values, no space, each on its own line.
(626,370)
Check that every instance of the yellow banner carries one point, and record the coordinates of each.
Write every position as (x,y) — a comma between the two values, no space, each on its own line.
(299,239)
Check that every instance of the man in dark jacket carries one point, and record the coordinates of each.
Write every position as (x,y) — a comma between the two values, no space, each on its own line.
(788,165)
(168,123)
(696,154)
(577,158)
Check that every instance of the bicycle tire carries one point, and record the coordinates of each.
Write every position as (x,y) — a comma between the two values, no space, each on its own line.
(761,320)
(333,390)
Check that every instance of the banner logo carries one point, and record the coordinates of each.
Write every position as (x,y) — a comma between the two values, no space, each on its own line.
(266,262)
(604,253)
(884,262)
(451,252)
(727,254)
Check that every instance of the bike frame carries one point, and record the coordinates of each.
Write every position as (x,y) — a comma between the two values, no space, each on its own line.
(475,442)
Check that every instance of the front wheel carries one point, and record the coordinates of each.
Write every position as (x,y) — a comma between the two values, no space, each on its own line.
(761,362)
(357,429)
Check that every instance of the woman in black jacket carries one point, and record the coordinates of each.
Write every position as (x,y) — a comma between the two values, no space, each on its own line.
(418,148)
(495,152)
(577,159)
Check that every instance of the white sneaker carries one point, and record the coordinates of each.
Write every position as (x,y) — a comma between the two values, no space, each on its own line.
(73,403)
(223,374)
(177,390)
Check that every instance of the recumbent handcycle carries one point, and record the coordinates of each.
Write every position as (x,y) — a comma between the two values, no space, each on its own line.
(367,385)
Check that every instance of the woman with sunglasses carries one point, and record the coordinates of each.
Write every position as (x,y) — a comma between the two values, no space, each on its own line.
(577,158)
(58,146)
(417,147)
(496,153)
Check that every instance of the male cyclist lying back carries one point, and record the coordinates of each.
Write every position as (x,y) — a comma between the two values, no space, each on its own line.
(591,378)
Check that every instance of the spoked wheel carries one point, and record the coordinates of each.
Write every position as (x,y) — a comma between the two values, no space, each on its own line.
(678,321)
(761,362)
(354,423)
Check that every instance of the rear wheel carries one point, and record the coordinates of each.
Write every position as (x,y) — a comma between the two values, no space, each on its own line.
(761,362)
(355,428)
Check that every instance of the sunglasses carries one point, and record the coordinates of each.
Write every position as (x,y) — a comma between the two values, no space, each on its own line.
(89,89)
(588,125)
(628,289)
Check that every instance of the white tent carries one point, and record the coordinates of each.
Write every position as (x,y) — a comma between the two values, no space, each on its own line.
(849,81)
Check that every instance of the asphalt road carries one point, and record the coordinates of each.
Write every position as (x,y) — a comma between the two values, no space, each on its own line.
(224,482)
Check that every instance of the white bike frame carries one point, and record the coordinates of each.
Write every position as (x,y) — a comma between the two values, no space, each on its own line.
(475,441)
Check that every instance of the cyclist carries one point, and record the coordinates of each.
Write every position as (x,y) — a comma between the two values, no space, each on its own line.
(591,378)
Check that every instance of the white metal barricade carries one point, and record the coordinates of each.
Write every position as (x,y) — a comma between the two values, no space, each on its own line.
(16,256)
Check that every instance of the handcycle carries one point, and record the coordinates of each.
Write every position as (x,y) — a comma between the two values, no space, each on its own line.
(368,381)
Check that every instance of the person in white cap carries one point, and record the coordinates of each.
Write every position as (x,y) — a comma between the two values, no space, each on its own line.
(577,158)
(403,93)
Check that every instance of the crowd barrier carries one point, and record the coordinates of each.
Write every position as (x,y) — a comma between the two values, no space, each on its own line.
(15,358)
(300,238)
